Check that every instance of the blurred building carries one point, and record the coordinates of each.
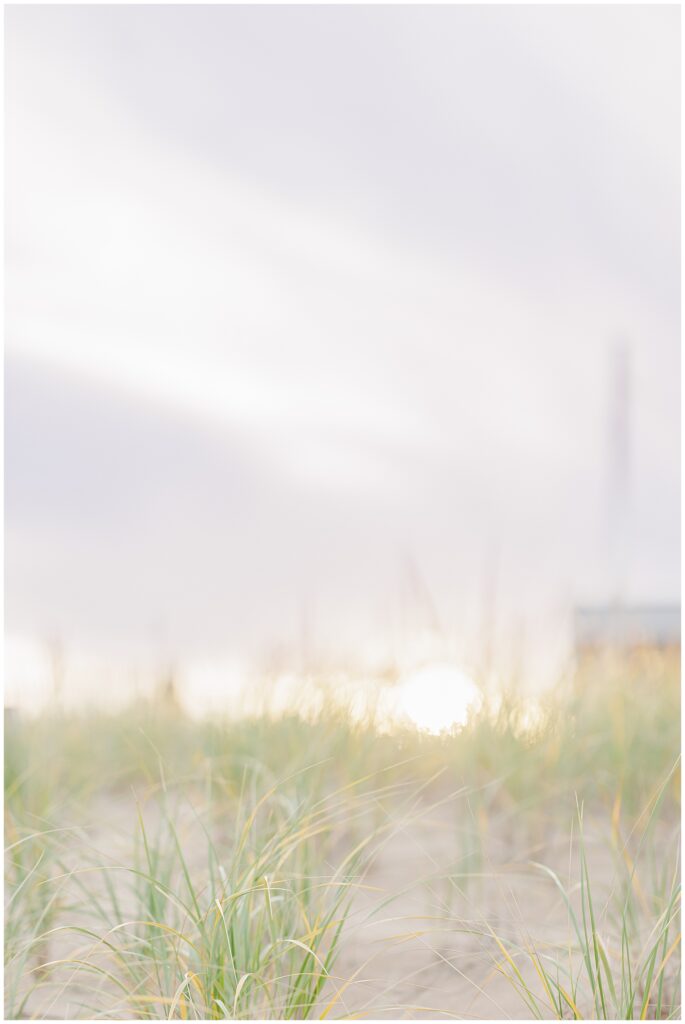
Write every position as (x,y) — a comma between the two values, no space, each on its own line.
(626,628)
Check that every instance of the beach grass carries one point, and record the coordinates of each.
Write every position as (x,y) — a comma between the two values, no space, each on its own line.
(162,867)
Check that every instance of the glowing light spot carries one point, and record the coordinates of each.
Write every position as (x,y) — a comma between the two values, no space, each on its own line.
(437,697)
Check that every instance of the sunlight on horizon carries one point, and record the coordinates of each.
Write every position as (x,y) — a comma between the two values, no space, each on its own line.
(437,697)
(432,696)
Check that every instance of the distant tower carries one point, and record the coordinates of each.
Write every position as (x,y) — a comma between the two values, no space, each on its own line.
(619,624)
(619,472)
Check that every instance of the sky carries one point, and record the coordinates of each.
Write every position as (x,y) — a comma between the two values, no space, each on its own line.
(311,323)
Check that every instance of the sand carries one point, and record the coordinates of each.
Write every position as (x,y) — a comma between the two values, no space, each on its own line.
(417,943)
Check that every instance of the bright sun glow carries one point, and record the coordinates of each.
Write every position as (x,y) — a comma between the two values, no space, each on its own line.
(437,697)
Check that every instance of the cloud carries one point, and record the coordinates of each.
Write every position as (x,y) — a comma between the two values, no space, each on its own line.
(294,290)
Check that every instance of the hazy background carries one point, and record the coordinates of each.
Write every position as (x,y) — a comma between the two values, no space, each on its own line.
(310,322)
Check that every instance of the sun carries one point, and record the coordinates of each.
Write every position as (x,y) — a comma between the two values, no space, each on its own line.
(437,697)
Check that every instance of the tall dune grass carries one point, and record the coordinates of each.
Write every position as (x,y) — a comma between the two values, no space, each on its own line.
(228,874)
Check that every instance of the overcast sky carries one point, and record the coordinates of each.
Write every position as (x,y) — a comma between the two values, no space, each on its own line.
(310,314)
